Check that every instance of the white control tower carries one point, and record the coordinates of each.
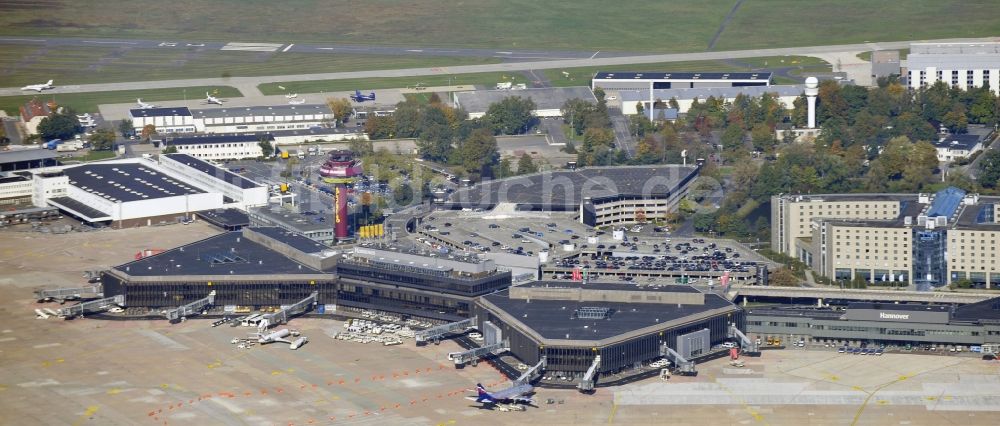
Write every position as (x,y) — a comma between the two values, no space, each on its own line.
(812,84)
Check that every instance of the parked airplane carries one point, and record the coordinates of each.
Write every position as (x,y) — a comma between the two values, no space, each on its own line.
(516,394)
(143,105)
(277,336)
(39,87)
(209,99)
(292,95)
(359,97)
(40,315)
(296,101)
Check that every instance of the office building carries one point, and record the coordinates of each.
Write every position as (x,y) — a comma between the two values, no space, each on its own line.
(961,65)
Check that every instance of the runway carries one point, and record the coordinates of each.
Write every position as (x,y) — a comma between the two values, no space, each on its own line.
(248,85)
(315,48)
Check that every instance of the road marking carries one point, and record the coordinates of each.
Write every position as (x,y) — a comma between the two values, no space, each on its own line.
(595,54)
(289,47)
(325,48)
(23,39)
(504,53)
(110,42)
(252,47)
(415,50)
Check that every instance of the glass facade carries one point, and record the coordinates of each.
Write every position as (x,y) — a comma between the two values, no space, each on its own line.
(929,267)
(425,279)
(256,294)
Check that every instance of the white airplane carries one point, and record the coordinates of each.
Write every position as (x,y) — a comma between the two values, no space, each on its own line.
(292,95)
(209,99)
(39,87)
(277,336)
(296,101)
(516,394)
(40,315)
(143,105)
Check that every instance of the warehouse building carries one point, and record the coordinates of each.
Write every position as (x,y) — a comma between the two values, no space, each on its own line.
(570,323)
(26,159)
(961,65)
(166,120)
(618,81)
(221,147)
(601,195)
(924,240)
(881,324)
(262,118)
(238,191)
(548,101)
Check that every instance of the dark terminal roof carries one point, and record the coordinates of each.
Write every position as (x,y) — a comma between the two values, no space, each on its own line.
(659,75)
(985,311)
(224,254)
(293,239)
(556,319)
(567,189)
(213,171)
(126,182)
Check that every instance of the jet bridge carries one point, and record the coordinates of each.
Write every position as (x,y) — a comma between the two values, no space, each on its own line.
(281,316)
(473,355)
(749,347)
(684,367)
(61,295)
(587,382)
(92,306)
(532,373)
(192,308)
(437,332)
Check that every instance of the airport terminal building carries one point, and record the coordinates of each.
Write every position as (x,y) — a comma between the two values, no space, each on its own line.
(882,323)
(570,323)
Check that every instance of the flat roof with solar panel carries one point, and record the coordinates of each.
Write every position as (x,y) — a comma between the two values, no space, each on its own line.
(126,182)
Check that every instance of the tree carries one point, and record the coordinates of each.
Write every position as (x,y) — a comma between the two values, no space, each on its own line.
(956,120)
(341,109)
(265,146)
(380,127)
(435,135)
(989,169)
(763,137)
(362,147)
(503,170)
(783,277)
(511,116)
(125,127)
(478,151)
(102,139)
(59,126)
(148,131)
(172,149)
(733,146)
(526,165)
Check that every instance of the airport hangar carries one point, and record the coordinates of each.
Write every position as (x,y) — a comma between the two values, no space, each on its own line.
(231,119)
(602,195)
(548,101)
(677,80)
(268,267)
(137,192)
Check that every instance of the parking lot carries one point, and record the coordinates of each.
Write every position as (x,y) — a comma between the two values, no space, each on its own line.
(496,231)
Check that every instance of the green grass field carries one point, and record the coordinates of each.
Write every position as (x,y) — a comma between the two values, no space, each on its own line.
(88,102)
(320,86)
(779,23)
(91,156)
(639,25)
(22,65)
